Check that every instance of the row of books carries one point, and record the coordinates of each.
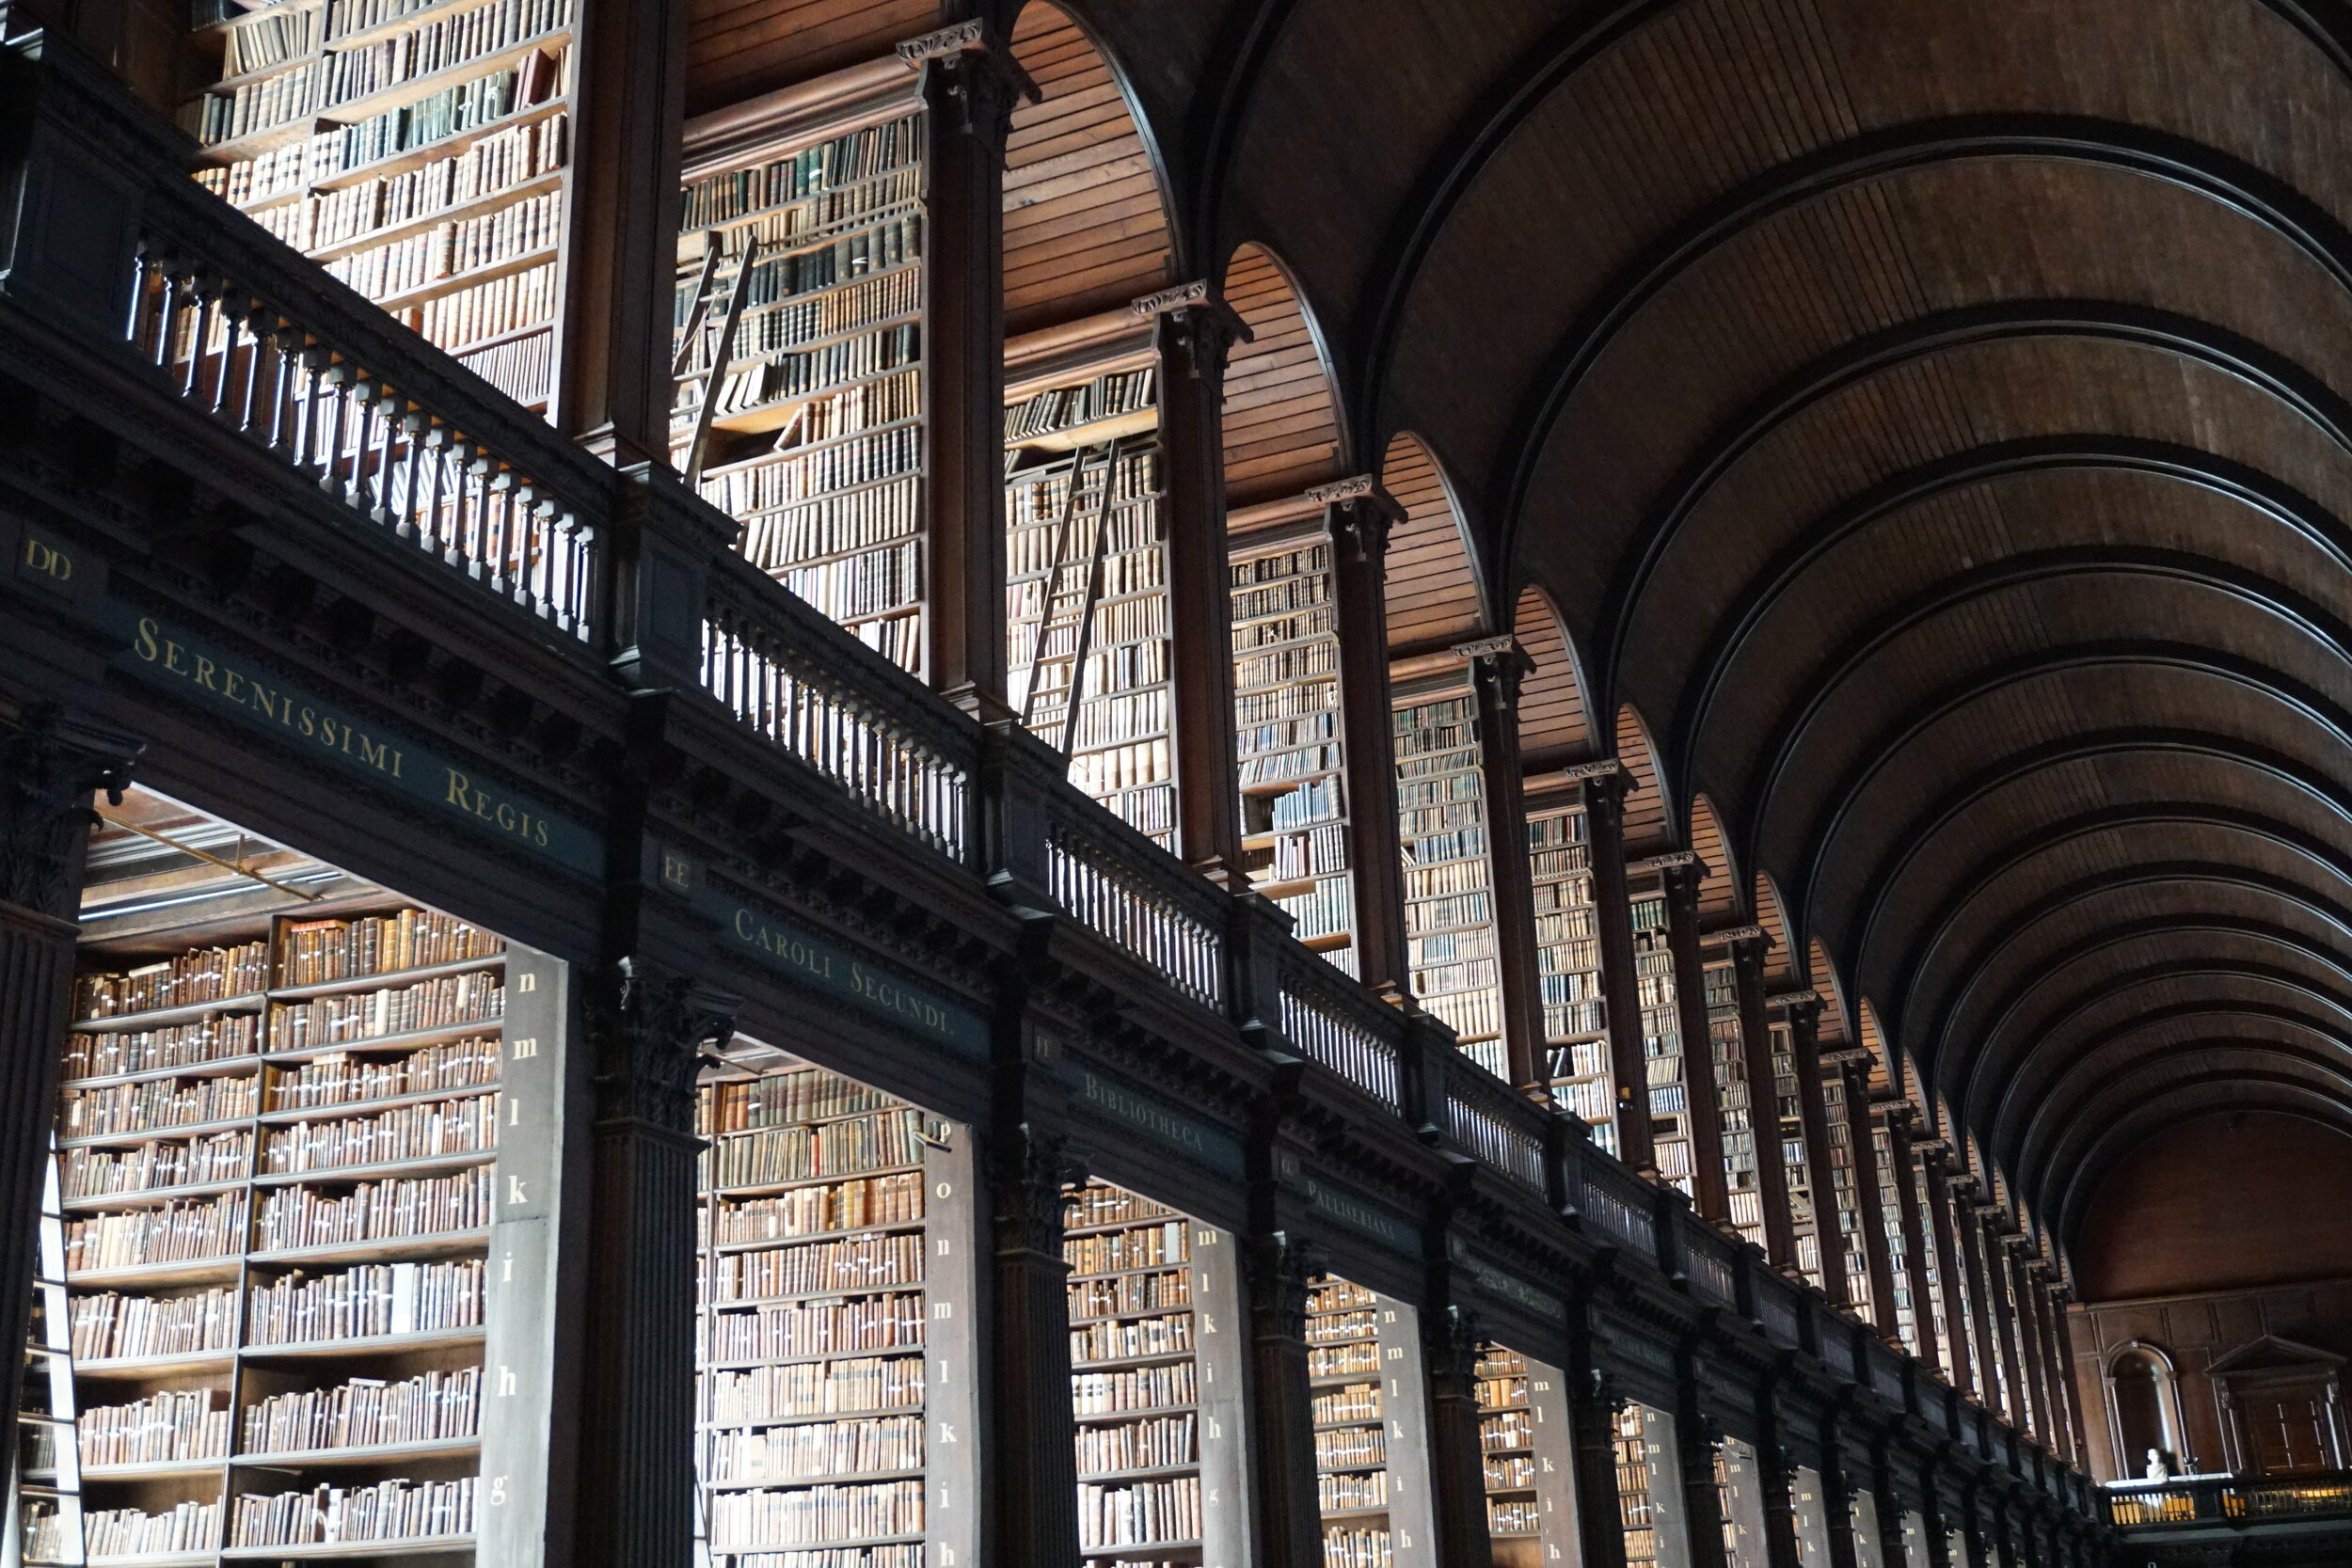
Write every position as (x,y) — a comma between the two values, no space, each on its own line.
(816,1449)
(871,301)
(1158,1442)
(1112,1252)
(856,586)
(867,1262)
(820,214)
(491,310)
(1116,717)
(319,85)
(372,1015)
(1322,800)
(776,482)
(1306,560)
(155,1103)
(187,1527)
(392,1510)
(871,404)
(1344,1547)
(1324,910)
(169,1233)
(1301,645)
(1317,851)
(798,1153)
(452,249)
(172,1425)
(1065,408)
(741,1521)
(1279,598)
(1354,1358)
(408,1133)
(1508,1472)
(366,1411)
(893,242)
(299,1217)
(1130,469)
(520,367)
(812,1388)
(312,952)
(813,1211)
(1143,1513)
(1128,1295)
(1351,1447)
(890,1322)
(1349,1490)
(106,1326)
(106,1173)
(1357,1401)
(470,1063)
(1142,1388)
(860,154)
(876,514)
(364,1302)
(1102,1204)
(807,372)
(207,975)
(1505,1432)
(490,164)
(219,1039)
(1115,768)
(272,36)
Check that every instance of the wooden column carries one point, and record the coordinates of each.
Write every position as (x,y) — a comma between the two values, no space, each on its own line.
(1698,1438)
(613,344)
(1193,333)
(1593,1404)
(969,85)
(2063,1355)
(1837,1500)
(2037,1402)
(1621,992)
(50,766)
(1947,1268)
(1032,1468)
(1969,1231)
(1358,516)
(1914,1235)
(1804,1045)
(1710,1192)
(1861,1133)
(1457,1468)
(2001,1279)
(1288,1523)
(1755,1041)
(636,1499)
(1497,668)
(1776,1475)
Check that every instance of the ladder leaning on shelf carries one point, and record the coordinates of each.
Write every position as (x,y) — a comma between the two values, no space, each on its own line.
(44,1521)
(1063,624)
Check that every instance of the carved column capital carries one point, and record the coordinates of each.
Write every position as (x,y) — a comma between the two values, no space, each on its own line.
(650,1031)
(1451,1346)
(1193,330)
(1281,1267)
(976,81)
(50,766)
(1361,516)
(1032,1173)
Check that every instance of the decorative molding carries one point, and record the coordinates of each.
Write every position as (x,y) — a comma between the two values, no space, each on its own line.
(1729,934)
(1033,1173)
(1607,768)
(1792,998)
(649,1036)
(1673,860)
(948,40)
(1281,1269)
(1343,489)
(1484,647)
(49,767)
(1194,293)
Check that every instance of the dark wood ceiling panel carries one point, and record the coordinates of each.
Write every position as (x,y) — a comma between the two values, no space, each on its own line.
(1432,588)
(1780,959)
(1553,729)
(1719,889)
(1087,225)
(1281,419)
(1647,827)
(738,49)
(1834,1029)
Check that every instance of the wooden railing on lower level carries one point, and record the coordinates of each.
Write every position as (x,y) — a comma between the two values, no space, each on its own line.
(2232,1500)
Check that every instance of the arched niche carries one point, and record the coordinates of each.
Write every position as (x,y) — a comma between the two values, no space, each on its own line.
(1282,427)
(1884,1079)
(1719,888)
(1088,221)
(1835,1027)
(1780,958)
(2144,1411)
(1648,823)
(1554,727)
(1435,597)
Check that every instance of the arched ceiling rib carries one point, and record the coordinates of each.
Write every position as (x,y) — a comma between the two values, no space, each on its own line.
(1922,416)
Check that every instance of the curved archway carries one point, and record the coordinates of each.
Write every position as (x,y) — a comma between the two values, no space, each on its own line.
(1555,728)
(1435,592)
(1283,424)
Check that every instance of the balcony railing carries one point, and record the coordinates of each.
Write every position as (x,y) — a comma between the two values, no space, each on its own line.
(2229,1499)
(345,417)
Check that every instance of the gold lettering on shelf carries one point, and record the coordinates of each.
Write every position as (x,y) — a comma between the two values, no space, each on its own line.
(47,560)
(151,647)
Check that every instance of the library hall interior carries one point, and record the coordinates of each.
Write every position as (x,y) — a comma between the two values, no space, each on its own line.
(1176,784)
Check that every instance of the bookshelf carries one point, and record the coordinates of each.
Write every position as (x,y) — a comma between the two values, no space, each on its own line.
(1845,1207)
(799,388)
(832,1370)
(1524,1449)
(1639,1505)
(1371,1471)
(1726,1043)
(277,1157)
(1154,1391)
(1291,734)
(1567,962)
(1662,1038)
(1803,1214)
(45,1523)
(1891,1177)
(1442,834)
(1086,608)
(1738,1482)
(418,149)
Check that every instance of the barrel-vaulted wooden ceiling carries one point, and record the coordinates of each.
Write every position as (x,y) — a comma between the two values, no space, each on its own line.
(1923,416)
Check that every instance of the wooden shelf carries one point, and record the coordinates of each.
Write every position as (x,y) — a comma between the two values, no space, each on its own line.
(1093,434)
(414,1545)
(397,979)
(164,1018)
(374,1345)
(305,1459)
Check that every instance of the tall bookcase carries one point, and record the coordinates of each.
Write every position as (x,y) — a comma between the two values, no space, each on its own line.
(279,1158)
(1442,833)
(418,149)
(1086,607)
(1372,1467)
(1525,1449)
(1567,962)
(1891,1177)
(1804,1212)
(45,1523)
(1155,1387)
(1727,1044)
(1290,737)
(1662,1039)
(1739,1482)
(1640,1507)
(834,1367)
(1841,1216)
(800,387)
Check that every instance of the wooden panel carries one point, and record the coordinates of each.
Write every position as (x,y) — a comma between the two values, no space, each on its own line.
(1085,219)
(1719,890)
(1432,594)
(1770,914)
(1646,830)
(1833,1028)
(2212,1206)
(1554,728)
(1883,1077)
(1281,424)
(738,49)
